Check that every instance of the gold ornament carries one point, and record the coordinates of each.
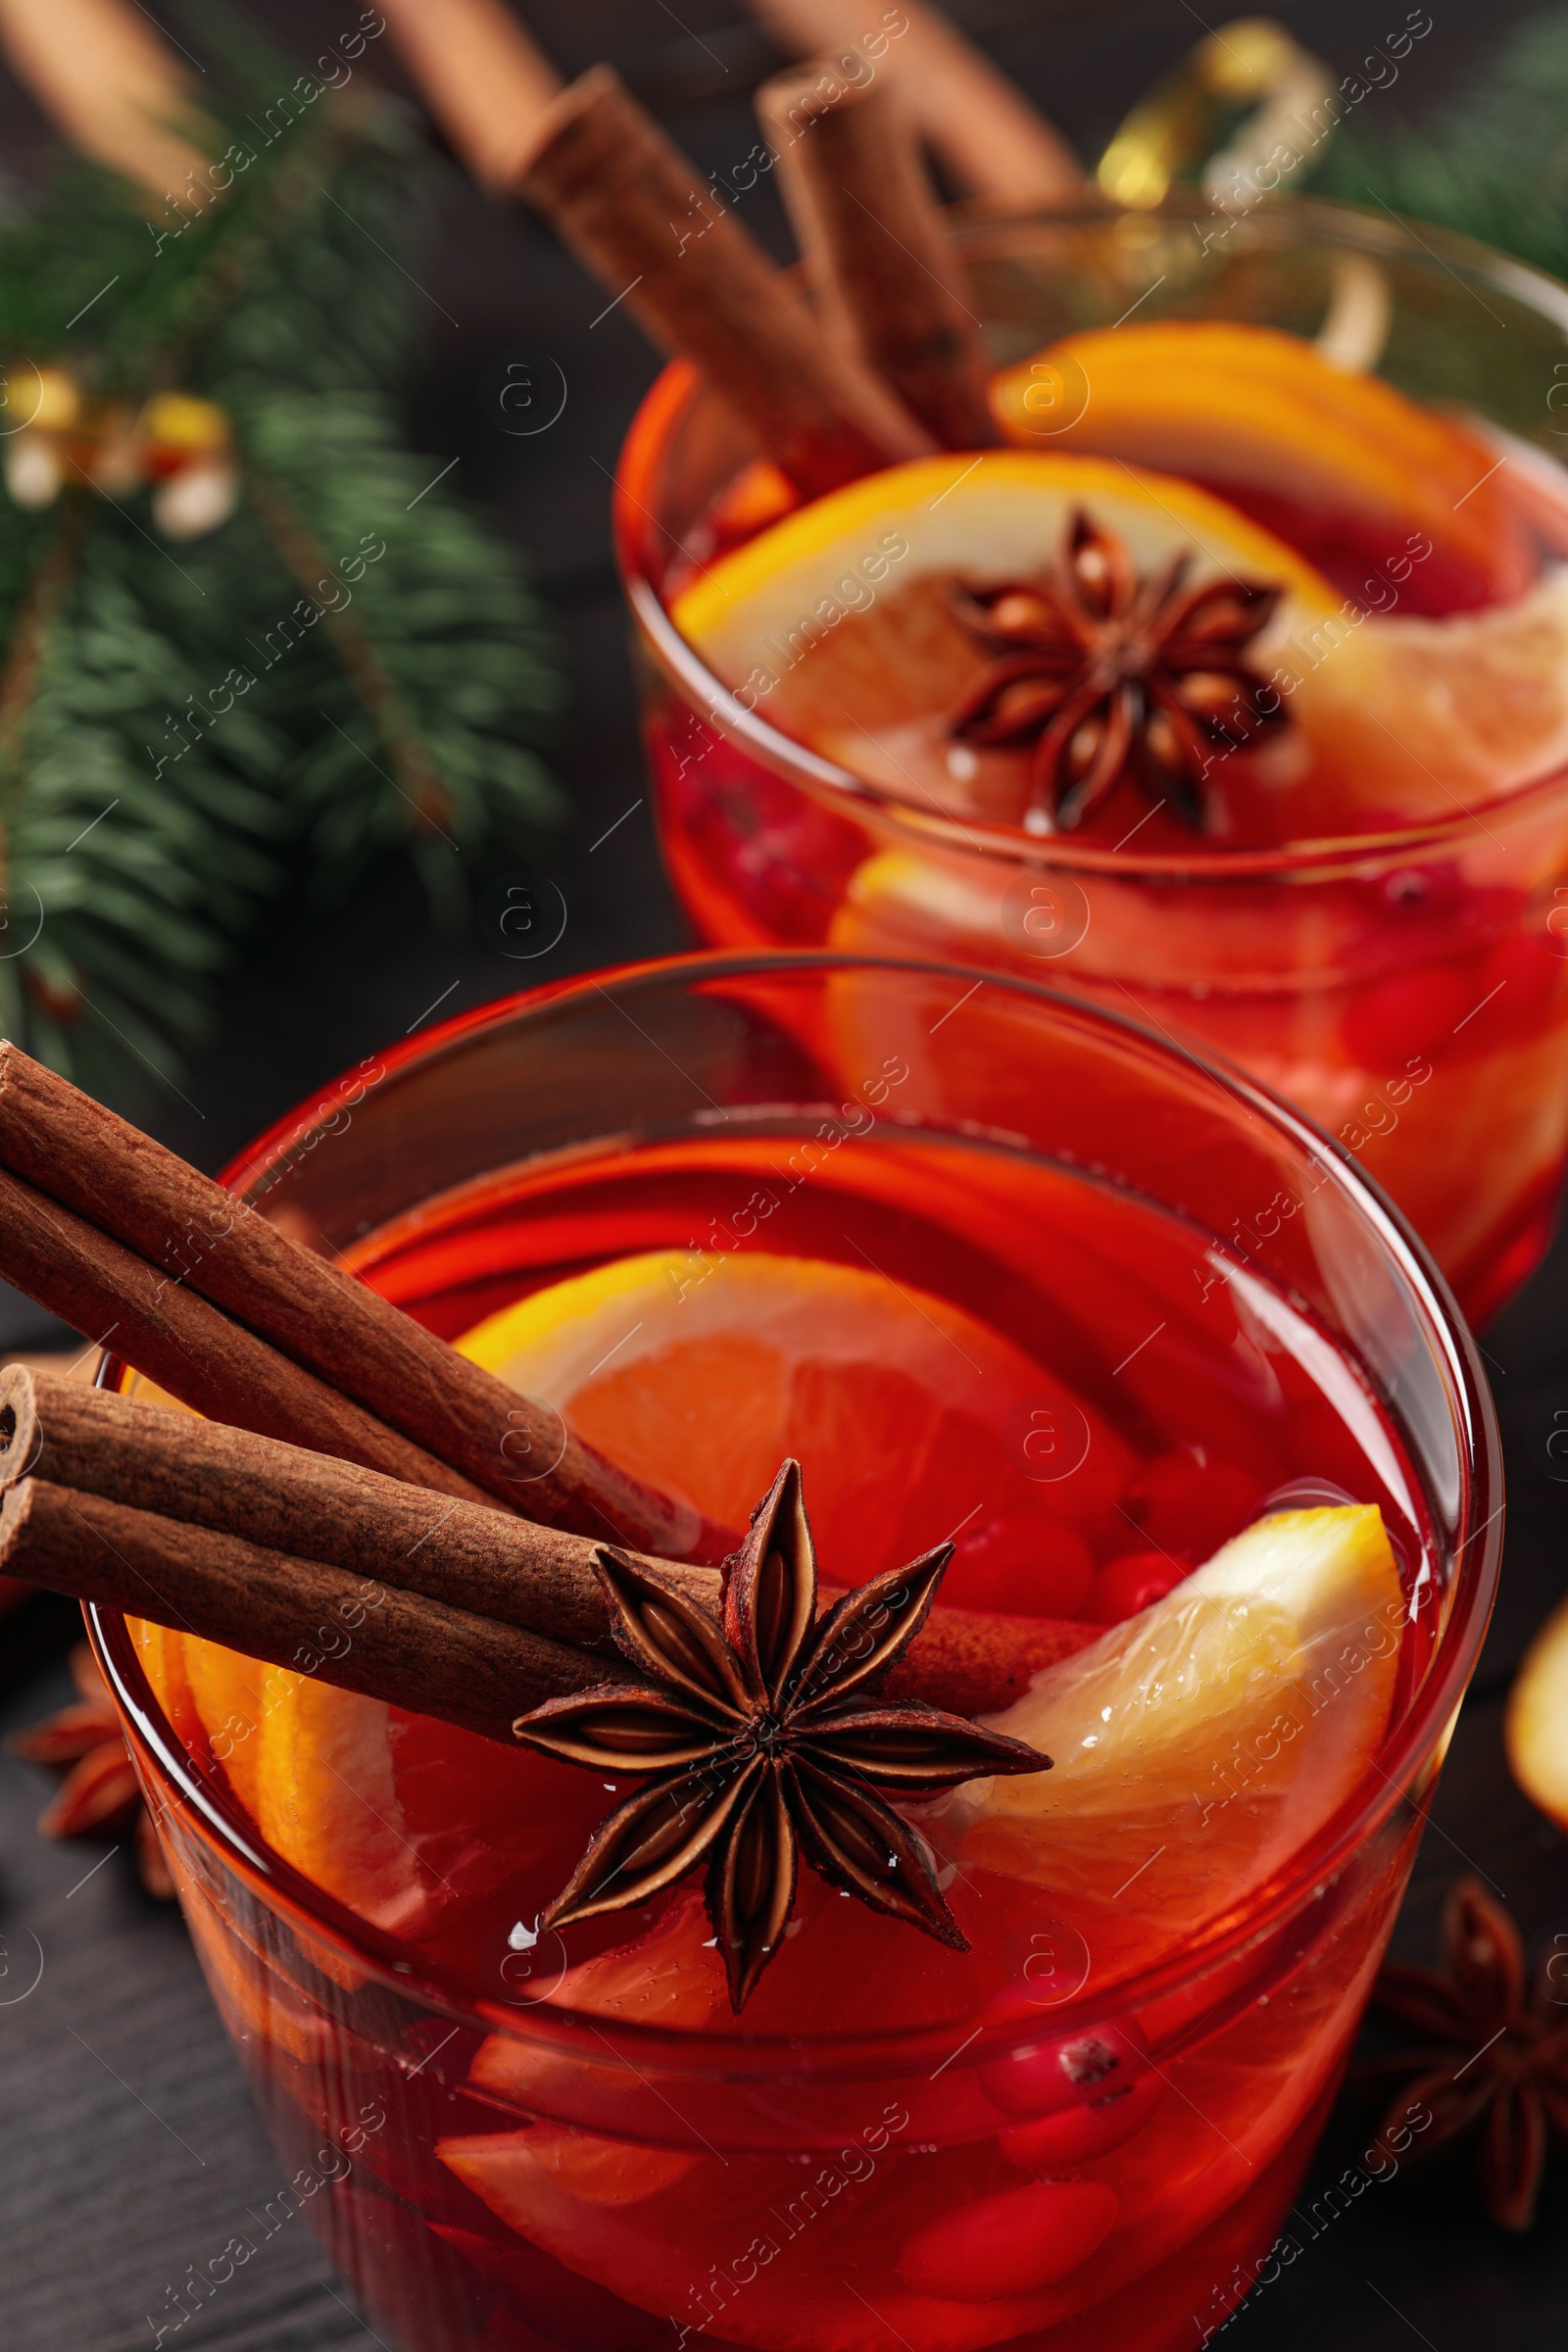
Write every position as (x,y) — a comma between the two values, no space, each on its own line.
(178,445)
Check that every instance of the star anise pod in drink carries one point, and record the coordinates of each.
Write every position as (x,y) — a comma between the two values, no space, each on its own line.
(1108,675)
(759,1737)
(1487,2054)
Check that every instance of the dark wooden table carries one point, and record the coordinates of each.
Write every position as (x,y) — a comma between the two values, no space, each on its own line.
(127,2149)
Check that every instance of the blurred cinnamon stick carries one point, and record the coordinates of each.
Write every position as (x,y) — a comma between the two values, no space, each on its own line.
(655,235)
(662,242)
(888,279)
(486,82)
(99,70)
(988,135)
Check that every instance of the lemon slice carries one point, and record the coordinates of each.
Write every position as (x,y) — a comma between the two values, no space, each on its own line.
(1198,1745)
(1537,1725)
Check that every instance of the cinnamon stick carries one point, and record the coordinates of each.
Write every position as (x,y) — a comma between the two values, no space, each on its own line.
(361,1635)
(189,1347)
(99,70)
(201,1241)
(982,127)
(660,241)
(888,279)
(486,82)
(309,1505)
(287,1501)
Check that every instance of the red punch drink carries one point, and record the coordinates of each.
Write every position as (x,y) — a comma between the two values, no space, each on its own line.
(1232,693)
(972,1260)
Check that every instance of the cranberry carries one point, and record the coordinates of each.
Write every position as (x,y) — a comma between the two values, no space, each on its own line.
(1134,1581)
(1190,1500)
(1071,2071)
(1022,1565)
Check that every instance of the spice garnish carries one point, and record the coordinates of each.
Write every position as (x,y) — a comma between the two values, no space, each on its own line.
(1487,2051)
(1110,676)
(758,1745)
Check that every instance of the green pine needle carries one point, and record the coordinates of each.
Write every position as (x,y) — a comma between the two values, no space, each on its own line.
(1495,165)
(344,669)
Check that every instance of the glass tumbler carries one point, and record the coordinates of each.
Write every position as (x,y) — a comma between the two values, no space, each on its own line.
(1092,2136)
(1406,988)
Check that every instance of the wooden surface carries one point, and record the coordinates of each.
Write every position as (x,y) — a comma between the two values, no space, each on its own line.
(127,2149)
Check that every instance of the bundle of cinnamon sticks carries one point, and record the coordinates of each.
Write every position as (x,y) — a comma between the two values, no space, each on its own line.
(877,359)
(351,1504)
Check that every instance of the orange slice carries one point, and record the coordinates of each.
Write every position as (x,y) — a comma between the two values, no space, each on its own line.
(1342,465)
(1536,1729)
(1198,1745)
(722,1364)
(839,625)
(1410,720)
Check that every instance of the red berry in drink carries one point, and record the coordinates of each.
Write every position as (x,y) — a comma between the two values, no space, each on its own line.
(1025,1566)
(1190,1500)
(1134,1581)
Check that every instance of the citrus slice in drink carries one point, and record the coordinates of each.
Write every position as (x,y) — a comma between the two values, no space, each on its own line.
(1339,463)
(1537,1724)
(843,627)
(722,1363)
(1198,1745)
(706,1369)
(846,627)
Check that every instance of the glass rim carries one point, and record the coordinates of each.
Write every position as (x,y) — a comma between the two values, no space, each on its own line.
(1314,859)
(734,2054)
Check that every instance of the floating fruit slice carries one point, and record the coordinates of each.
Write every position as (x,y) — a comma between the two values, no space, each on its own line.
(1537,1725)
(723,1363)
(1198,1745)
(840,624)
(327,1799)
(1393,718)
(1339,465)
(1013,2245)
(685,2229)
(1413,721)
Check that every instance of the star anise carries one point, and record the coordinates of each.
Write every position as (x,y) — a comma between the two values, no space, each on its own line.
(1109,675)
(758,1737)
(1488,2054)
(100,1795)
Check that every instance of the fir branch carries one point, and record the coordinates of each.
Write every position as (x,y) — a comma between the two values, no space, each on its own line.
(460,653)
(178,718)
(1494,166)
